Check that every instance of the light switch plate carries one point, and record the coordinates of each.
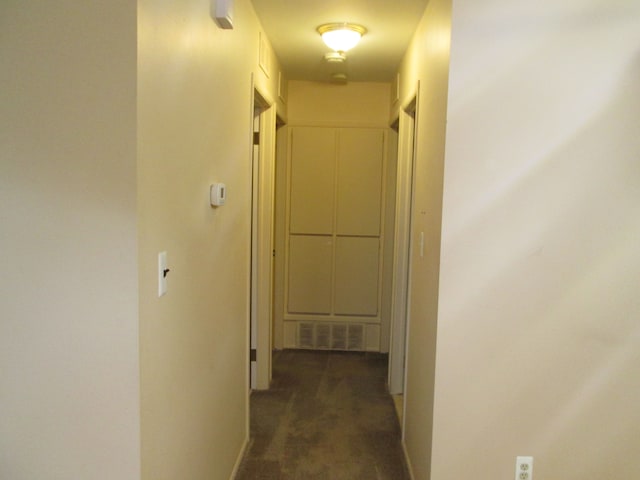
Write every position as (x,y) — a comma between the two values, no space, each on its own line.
(218,194)
(162,276)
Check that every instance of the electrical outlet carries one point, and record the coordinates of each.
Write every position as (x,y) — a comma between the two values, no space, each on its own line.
(524,468)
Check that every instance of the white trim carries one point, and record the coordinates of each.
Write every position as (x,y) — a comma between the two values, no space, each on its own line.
(240,457)
(340,124)
(402,245)
(262,304)
(407,460)
(264,55)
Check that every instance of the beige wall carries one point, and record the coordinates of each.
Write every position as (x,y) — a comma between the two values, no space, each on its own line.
(538,335)
(69,382)
(427,62)
(194,125)
(327,104)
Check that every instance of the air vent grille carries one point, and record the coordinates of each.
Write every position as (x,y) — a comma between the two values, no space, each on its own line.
(331,336)
(323,335)
(356,337)
(339,338)
(305,335)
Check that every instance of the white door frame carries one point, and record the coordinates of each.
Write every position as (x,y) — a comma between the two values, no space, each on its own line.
(262,241)
(402,244)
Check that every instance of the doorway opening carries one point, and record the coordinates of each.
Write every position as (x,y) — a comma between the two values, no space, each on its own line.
(261,283)
(406,125)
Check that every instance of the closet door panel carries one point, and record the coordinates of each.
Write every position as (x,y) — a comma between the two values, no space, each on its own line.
(310,260)
(359,195)
(356,278)
(313,163)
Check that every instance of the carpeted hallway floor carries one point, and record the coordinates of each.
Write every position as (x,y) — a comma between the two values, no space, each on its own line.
(328,416)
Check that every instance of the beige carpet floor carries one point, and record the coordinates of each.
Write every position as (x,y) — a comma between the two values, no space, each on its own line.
(328,416)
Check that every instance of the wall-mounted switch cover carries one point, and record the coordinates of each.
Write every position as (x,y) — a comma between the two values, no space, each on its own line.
(524,468)
(162,273)
(218,194)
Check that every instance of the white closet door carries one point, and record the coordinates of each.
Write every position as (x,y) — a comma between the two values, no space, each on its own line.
(313,164)
(310,272)
(356,279)
(335,218)
(359,193)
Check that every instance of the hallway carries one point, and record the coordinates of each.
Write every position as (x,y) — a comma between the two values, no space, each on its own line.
(518,177)
(327,416)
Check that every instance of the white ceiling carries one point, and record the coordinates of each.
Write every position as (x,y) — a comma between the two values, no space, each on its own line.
(291,27)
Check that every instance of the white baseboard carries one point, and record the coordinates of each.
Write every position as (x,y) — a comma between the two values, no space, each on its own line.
(406,459)
(236,466)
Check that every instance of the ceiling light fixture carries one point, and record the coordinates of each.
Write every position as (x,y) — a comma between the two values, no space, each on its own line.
(341,37)
(335,57)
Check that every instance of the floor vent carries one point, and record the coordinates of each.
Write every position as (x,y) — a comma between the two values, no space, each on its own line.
(323,335)
(339,337)
(305,335)
(331,336)
(356,337)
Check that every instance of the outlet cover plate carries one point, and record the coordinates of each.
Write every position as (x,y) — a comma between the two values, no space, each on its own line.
(524,468)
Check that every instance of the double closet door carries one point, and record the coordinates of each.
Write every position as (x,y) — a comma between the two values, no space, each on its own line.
(335,221)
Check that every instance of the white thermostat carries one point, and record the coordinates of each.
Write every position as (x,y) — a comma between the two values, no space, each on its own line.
(218,194)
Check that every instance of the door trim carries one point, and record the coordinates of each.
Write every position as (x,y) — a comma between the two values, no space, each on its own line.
(408,116)
(261,299)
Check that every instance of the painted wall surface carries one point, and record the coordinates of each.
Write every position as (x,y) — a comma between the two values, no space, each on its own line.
(426,62)
(194,128)
(69,371)
(538,333)
(327,104)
